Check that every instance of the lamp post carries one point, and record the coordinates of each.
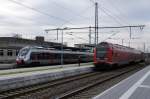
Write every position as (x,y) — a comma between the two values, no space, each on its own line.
(122,40)
(62,51)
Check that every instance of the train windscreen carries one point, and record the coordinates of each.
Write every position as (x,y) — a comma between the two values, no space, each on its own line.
(101,52)
(23,52)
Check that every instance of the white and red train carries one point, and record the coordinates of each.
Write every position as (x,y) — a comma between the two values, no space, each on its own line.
(48,56)
(107,55)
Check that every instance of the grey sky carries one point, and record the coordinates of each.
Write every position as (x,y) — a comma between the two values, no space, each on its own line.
(15,18)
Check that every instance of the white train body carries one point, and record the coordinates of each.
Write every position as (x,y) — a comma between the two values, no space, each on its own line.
(40,56)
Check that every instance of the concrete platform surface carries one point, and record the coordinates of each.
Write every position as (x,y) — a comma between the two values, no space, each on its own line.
(39,68)
(136,86)
(21,79)
(7,66)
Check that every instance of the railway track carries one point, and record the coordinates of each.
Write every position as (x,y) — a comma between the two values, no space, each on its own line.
(65,88)
(30,89)
(90,90)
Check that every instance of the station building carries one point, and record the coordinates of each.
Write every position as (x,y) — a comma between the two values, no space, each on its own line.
(85,45)
(10,46)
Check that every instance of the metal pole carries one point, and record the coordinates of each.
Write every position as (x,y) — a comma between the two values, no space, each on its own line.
(96,23)
(57,34)
(122,41)
(130,31)
(62,51)
(144,46)
(90,35)
(130,35)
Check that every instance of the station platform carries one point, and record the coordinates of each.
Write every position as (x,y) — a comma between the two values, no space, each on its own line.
(15,78)
(7,66)
(136,86)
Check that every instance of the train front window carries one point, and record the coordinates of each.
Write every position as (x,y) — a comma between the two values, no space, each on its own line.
(23,52)
(101,52)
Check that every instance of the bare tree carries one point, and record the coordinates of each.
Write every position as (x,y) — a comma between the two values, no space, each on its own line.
(15,35)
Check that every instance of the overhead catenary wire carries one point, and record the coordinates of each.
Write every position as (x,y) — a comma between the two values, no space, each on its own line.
(92,1)
(96,19)
(85,10)
(114,18)
(82,12)
(54,17)
(76,36)
(44,13)
(107,12)
(122,17)
(110,36)
(76,28)
(39,11)
(70,28)
(71,11)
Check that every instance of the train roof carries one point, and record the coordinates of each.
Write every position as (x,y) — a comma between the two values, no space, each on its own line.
(119,46)
(71,48)
(58,49)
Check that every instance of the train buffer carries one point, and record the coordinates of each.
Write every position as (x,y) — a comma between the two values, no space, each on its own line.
(136,86)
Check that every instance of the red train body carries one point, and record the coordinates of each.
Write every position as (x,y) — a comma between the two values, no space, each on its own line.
(109,55)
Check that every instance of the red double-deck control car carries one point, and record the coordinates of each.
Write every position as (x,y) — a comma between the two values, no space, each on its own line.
(107,55)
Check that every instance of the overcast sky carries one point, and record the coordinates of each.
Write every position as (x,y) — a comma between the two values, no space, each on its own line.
(19,16)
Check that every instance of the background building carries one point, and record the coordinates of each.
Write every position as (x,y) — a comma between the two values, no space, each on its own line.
(85,45)
(90,47)
(10,46)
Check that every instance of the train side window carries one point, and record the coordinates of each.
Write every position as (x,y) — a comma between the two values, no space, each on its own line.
(115,54)
(1,52)
(51,56)
(66,56)
(43,55)
(73,56)
(46,55)
(54,56)
(33,56)
(76,56)
(58,56)
(9,52)
(38,55)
